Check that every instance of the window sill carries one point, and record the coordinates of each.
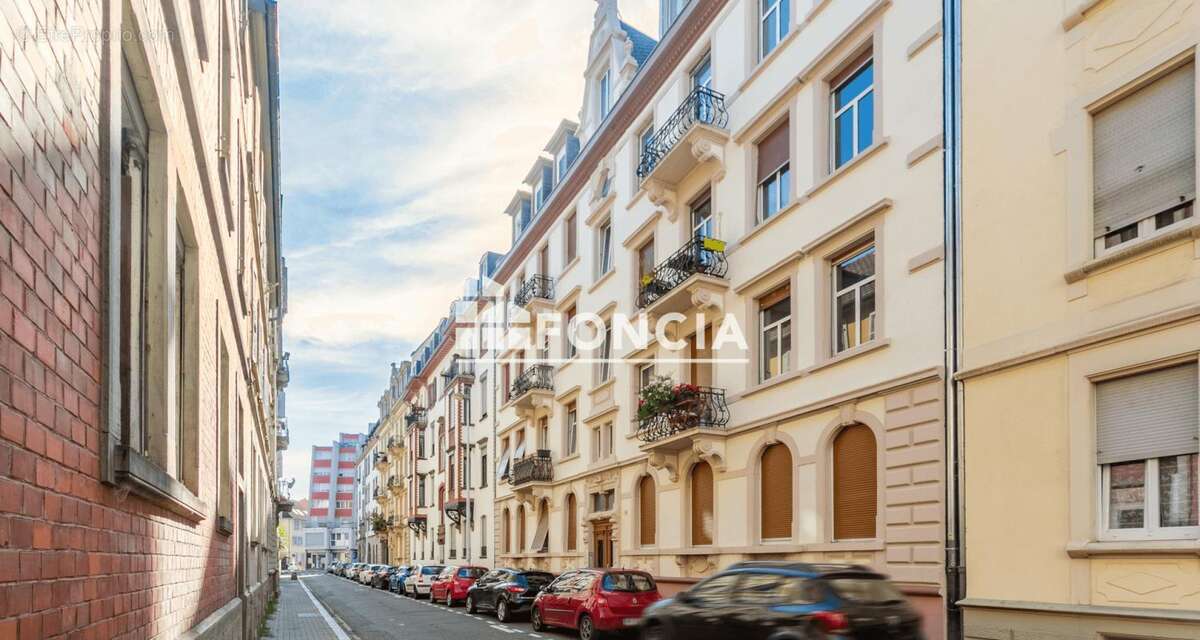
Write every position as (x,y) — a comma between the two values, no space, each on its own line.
(601,280)
(766,384)
(601,387)
(146,479)
(1132,547)
(844,169)
(849,354)
(1136,249)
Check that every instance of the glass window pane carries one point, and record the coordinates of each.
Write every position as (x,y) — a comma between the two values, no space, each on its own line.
(770,353)
(785,346)
(856,268)
(845,321)
(866,310)
(1127,495)
(855,85)
(761,588)
(768,33)
(866,120)
(844,138)
(1177,494)
(784,17)
(784,194)
(771,195)
(776,312)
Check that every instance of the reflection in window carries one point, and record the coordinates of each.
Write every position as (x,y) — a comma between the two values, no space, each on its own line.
(854,300)
(854,114)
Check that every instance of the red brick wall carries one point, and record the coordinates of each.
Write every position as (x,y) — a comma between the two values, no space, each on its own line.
(77,558)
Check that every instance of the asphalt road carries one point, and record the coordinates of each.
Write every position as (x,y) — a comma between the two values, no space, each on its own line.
(374,614)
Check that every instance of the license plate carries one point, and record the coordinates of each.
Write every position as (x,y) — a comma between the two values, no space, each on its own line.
(630,622)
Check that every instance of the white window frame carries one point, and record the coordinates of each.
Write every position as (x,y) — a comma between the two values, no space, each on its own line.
(1147,228)
(605,364)
(538,200)
(853,104)
(764,330)
(705,60)
(781,27)
(642,379)
(707,222)
(778,181)
(1150,514)
(571,429)
(604,248)
(603,91)
(857,289)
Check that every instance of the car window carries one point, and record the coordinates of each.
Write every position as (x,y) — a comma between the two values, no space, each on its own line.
(446,573)
(630,582)
(715,589)
(761,588)
(584,581)
(470,572)
(538,580)
(562,584)
(431,570)
(866,590)
(801,591)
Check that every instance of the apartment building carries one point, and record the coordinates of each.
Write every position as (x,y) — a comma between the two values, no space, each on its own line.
(749,175)
(392,410)
(140,318)
(369,498)
(1080,342)
(332,485)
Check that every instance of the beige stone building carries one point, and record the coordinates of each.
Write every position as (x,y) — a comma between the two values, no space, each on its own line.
(1080,337)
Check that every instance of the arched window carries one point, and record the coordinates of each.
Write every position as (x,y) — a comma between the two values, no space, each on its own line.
(775,491)
(505,533)
(572,522)
(854,483)
(647,513)
(541,537)
(701,482)
(521,529)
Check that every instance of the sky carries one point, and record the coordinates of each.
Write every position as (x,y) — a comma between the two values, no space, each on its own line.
(406,127)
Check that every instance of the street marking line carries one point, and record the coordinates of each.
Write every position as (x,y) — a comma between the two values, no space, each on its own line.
(333,625)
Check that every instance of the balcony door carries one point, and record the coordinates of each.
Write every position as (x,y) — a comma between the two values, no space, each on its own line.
(700,353)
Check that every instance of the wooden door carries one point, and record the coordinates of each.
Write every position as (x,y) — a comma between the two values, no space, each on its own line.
(701,372)
(602,544)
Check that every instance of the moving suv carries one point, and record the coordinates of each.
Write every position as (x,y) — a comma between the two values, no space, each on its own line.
(786,600)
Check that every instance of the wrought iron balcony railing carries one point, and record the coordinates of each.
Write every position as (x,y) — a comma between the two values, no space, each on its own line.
(416,416)
(535,468)
(706,408)
(535,287)
(380,459)
(703,105)
(395,442)
(460,367)
(700,255)
(539,376)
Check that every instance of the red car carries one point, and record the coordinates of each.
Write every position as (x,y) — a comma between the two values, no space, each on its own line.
(450,586)
(594,600)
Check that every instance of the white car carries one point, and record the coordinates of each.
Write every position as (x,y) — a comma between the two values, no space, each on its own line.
(418,582)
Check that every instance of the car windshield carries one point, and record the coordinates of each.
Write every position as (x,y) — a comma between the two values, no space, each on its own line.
(866,590)
(432,570)
(470,572)
(631,582)
(536,580)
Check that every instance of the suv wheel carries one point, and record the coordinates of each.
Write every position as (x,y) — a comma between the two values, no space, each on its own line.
(535,619)
(502,611)
(471,604)
(587,630)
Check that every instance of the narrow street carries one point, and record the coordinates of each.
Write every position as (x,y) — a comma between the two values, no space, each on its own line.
(373,614)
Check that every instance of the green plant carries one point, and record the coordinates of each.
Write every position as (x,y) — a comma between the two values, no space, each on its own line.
(378,522)
(661,395)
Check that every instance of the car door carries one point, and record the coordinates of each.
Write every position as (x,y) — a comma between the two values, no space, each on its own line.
(756,614)
(581,590)
(551,601)
(500,577)
(700,611)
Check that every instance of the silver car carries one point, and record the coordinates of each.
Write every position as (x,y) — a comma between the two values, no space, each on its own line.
(421,578)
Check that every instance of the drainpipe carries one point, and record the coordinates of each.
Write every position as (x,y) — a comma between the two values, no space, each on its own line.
(955,560)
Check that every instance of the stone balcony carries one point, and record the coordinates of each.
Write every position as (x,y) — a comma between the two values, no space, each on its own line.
(694,134)
(532,389)
(691,279)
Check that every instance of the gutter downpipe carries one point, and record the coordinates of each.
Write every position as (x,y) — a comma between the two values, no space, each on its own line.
(956,571)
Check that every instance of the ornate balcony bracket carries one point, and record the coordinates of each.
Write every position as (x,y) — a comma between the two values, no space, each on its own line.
(707,148)
(711,450)
(664,462)
(663,197)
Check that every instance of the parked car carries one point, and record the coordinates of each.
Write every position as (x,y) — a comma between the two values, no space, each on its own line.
(786,599)
(452,583)
(418,581)
(355,567)
(508,592)
(367,573)
(594,600)
(332,568)
(381,577)
(396,580)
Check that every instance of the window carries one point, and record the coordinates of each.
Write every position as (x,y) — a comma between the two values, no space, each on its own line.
(854,299)
(645,257)
(775,492)
(541,536)
(483,394)
(571,349)
(775,337)
(520,528)
(853,112)
(571,429)
(1146,446)
(483,469)
(605,101)
(702,220)
(700,480)
(572,522)
(644,140)
(668,11)
(572,247)
(702,73)
(603,501)
(774,21)
(544,260)
(647,517)
(774,177)
(604,249)
(1144,156)
(606,439)
(538,196)
(715,590)
(762,589)
(597,444)
(854,483)
(606,353)
(645,375)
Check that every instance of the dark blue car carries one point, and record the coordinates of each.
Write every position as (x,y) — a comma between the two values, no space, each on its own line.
(396,579)
(786,601)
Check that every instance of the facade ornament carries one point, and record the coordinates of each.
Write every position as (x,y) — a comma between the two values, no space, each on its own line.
(705,149)
(711,451)
(658,460)
(662,197)
(706,299)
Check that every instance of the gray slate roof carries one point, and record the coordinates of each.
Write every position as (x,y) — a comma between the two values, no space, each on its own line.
(643,44)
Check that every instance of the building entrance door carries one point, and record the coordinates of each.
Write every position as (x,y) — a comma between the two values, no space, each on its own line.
(602,544)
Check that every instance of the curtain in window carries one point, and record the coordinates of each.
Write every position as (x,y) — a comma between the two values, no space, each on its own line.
(773,150)
(854,483)
(776,491)
(572,521)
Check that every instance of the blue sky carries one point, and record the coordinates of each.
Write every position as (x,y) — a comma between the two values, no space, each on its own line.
(406,127)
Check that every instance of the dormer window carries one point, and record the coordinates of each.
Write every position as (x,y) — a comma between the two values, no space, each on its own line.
(669,10)
(605,100)
(562,162)
(538,198)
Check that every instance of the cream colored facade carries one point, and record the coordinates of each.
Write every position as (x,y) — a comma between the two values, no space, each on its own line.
(1051,316)
(390,432)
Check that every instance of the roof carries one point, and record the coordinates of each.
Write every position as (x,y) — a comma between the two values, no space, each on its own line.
(643,45)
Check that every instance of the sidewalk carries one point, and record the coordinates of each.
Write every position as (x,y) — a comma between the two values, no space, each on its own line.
(297,617)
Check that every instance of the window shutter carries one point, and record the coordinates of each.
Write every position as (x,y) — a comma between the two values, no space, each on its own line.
(572,521)
(776,492)
(572,149)
(1148,415)
(702,504)
(1144,152)
(773,150)
(648,517)
(540,537)
(547,182)
(774,297)
(854,483)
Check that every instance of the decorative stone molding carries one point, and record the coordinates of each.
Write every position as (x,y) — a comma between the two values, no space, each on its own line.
(706,299)
(705,149)
(663,197)
(664,462)
(710,450)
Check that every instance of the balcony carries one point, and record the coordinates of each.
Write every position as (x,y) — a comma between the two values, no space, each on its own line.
(419,523)
(395,444)
(282,436)
(674,422)
(460,369)
(283,373)
(381,460)
(456,510)
(532,389)
(394,485)
(379,495)
(531,470)
(416,417)
(691,278)
(692,135)
(536,293)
